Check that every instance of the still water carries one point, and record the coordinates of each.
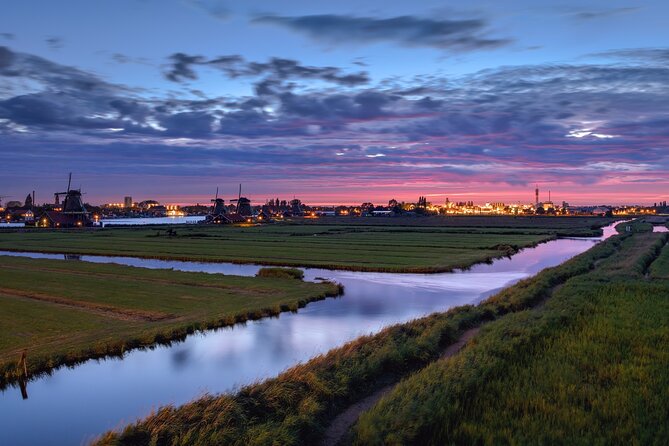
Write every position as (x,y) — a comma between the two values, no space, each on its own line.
(73,405)
(152,220)
(140,221)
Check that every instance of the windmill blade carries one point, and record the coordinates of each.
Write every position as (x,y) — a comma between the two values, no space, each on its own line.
(239,197)
(69,182)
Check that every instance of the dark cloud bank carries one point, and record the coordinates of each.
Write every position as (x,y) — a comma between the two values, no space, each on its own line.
(459,35)
(578,123)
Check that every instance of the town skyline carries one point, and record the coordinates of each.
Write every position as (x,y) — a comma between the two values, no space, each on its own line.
(336,103)
(538,195)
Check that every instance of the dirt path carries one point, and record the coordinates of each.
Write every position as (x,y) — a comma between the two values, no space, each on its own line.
(343,422)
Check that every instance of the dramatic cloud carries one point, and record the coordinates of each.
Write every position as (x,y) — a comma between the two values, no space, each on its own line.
(644,55)
(457,35)
(181,67)
(572,124)
(234,66)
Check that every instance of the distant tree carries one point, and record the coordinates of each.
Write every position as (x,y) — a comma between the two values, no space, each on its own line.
(394,206)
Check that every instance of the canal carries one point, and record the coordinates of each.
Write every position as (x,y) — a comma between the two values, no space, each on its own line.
(73,405)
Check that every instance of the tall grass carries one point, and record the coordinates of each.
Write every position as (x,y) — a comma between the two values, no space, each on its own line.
(659,269)
(295,407)
(587,368)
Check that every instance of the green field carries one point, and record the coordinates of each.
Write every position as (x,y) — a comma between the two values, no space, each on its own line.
(63,312)
(297,406)
(364,248)
(563,225)
(589,367)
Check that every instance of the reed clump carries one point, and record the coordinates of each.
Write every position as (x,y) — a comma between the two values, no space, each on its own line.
(281,273)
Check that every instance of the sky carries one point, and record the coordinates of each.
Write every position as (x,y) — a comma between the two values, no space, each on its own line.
(336,102)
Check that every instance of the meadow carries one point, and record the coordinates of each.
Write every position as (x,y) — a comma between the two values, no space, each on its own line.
(353,247)
(588,367)
(581,226)
(297,406)
(63,312)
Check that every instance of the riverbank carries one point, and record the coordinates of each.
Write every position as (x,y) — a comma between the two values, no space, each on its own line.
(296,407)
(224,360)
(351,248)
(588,367)
(63,313)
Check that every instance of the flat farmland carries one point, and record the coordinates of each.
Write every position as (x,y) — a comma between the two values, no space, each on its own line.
(499,224)
(362,248)
(64,312)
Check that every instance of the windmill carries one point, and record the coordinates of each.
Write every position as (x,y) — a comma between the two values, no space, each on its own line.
(239,197)
(243,204)
(72,204)
(219,205)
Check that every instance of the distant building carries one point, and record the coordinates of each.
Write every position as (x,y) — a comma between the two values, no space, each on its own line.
(601,211)
(548,205)
(296,207)
(148,204)
(13,204)
(73,213)
(383,213)
(157,211)
(127,202)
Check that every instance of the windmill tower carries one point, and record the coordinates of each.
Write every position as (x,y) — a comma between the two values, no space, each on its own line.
(536,195)
(72,204)
(243,204)
(219,205)
(73,214)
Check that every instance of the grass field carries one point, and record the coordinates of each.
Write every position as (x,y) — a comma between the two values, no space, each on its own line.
(659,269)
(364,248)
(63,312)
(296,407)
(589,367)
(563,225)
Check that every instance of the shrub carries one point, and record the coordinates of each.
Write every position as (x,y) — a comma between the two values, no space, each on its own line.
(281,273)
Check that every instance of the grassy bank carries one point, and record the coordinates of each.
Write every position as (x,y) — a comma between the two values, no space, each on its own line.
(65,312)
(362,248)
(589,367)
(562,226)
(296,407)
(659,269)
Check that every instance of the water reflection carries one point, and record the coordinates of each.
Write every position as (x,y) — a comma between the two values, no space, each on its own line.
(23,385)
(151,221)
(74,405)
